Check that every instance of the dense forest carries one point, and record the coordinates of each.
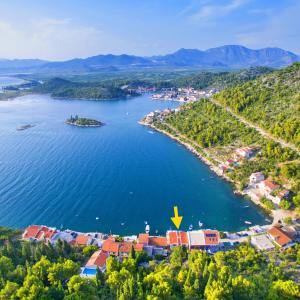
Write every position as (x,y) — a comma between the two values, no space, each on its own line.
(62,88)
(272,101)
(43,271)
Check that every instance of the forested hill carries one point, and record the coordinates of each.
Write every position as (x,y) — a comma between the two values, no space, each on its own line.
(271,101)
(61,88)
(220,80)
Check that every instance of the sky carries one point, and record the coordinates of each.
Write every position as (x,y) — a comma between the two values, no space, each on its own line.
(65,29)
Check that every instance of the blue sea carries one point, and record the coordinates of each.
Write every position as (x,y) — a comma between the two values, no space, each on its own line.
(109,179)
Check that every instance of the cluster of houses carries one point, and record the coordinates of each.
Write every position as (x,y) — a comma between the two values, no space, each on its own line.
(281,237)
(239,155)
(158,115)
(154,246)
(260,187)
(183,94)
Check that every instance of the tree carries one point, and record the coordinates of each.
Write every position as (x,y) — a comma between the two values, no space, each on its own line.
(89,250)
(178,255)
(9,291)
(285,204)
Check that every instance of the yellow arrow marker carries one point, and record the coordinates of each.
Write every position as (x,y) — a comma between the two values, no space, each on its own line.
(176,219)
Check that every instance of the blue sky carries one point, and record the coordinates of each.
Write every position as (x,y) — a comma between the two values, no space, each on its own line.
(58,30)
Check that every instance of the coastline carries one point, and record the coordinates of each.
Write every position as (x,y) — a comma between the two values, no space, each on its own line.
(216,170)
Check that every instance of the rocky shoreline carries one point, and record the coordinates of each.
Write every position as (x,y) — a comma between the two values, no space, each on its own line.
(212,167)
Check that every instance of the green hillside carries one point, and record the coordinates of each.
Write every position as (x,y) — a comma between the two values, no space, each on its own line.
(272,101)
(62,88)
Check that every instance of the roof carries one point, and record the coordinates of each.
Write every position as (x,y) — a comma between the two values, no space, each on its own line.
(110,245)
(159,241)
(279,236)
(97,259)
(143,238)
(196,238)
(204,237)
(270,184)
(31,232)
(125,247)
(138,247)
(39,232)
(82,240)
(283,193)
(211,237)
(177,238)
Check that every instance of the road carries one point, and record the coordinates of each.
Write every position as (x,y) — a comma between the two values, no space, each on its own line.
(259,129)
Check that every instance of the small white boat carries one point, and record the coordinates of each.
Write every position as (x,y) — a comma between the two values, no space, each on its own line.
(200,224)
(97,218)
(248,222)
(145,222)
(191,227)
(150,131)
(246,206)
(147,228)
(122,224)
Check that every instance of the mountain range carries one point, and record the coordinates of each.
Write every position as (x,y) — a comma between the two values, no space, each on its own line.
(224,57)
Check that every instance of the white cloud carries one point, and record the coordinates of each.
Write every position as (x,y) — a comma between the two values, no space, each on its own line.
(279,30)
(53,39)
(210,10)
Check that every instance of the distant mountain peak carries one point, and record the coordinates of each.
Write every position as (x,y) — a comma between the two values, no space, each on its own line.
(227,56)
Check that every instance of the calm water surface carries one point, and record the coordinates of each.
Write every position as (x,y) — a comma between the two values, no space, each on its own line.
(56,174)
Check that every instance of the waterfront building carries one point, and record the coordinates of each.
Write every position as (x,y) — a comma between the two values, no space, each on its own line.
(280,238)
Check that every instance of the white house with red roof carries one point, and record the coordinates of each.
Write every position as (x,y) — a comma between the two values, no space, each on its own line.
(267,187)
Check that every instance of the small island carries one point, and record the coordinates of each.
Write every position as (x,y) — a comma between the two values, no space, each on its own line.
(83,122)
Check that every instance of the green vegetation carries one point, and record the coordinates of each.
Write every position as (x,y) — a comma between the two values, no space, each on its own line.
(40,271)
(220,134)
(272,101)
(83,122)
(268,204)
(220,80)
(62,88)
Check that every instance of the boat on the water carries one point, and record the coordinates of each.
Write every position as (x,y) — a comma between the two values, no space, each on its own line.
(248,222)
(200,224)
(191,227)
(147,228)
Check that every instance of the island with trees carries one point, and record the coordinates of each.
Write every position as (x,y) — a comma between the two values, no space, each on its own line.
(83,122)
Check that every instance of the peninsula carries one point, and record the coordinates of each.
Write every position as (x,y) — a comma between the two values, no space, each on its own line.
(83,122)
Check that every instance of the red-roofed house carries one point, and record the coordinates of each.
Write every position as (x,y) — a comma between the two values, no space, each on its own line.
(98,260)
(111,247)
(211,237)
(177,238)
(158,241)
(83,240)
(280,238)
(143,238)
(267,186)
(203,239)
(39,233)
(31,232)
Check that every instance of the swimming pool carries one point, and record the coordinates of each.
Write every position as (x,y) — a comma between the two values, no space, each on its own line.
(88,272)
